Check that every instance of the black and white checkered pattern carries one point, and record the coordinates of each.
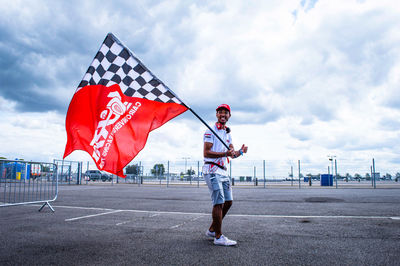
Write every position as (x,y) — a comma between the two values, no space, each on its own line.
(115,64)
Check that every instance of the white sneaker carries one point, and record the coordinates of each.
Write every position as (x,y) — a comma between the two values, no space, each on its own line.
(224,241)
(210,234)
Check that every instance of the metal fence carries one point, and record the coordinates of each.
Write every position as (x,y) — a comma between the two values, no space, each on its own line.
(24,182)
(69,172)
(263,173)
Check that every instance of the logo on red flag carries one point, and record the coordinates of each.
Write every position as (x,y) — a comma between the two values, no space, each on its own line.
(110,125)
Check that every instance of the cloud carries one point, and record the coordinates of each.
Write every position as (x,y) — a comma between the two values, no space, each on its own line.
(47,53)
(390,124)
(304,78)
(32,136)
(301,135)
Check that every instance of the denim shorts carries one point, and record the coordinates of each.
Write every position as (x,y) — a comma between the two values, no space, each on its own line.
(219,187)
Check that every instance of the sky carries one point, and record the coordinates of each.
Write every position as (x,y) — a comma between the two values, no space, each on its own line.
(304,78)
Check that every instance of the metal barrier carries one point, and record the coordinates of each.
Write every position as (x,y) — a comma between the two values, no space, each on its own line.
(69,172)
(347,173)
(24,183)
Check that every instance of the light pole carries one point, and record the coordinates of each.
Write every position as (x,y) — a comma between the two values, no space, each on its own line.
(185,158)
(331,159)
(291,173)
(336,173)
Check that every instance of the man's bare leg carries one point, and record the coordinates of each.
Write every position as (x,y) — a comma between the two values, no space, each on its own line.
(217,220)
(226,207)
(218,213)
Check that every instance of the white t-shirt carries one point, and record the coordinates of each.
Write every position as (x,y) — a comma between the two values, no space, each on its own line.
(216,147)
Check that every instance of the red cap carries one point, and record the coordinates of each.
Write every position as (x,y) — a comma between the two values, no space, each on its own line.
(225,106)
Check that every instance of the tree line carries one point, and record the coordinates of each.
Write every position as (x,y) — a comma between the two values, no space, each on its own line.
(157,170)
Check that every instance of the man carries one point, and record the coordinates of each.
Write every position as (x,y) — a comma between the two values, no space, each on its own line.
(215,173)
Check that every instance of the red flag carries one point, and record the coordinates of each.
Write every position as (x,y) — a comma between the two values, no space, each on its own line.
(108,124)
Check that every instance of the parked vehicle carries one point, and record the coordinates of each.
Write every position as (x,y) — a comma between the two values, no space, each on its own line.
(106,177)
(94,175)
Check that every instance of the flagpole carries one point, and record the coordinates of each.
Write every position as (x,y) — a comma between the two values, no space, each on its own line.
(215,134)
(137,59)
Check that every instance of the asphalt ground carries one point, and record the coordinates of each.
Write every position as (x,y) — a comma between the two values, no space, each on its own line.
(153,225)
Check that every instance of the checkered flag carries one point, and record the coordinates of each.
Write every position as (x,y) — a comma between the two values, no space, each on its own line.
(116,64)
(115,107)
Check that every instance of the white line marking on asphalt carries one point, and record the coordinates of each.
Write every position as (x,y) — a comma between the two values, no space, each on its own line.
(83,208)
(89,216)
(191,220)
(232,215)
(314,216)
(273,216)
(151,216)
(165,212)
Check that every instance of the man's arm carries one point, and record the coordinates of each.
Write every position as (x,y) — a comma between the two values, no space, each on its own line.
(212,154)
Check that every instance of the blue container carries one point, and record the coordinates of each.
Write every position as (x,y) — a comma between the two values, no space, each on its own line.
(326,180)
(10,171)
(15,170)
(2,171)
